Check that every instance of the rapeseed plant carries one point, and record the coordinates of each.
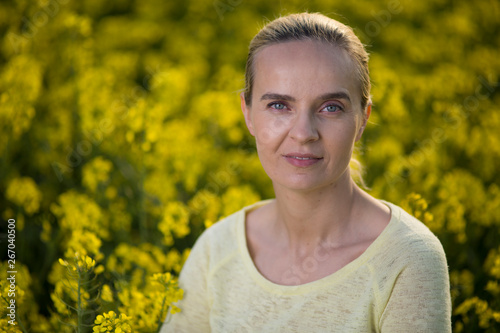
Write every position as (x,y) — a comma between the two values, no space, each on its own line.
(122,140)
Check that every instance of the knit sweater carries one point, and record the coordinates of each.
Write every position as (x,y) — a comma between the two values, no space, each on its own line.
(399,284)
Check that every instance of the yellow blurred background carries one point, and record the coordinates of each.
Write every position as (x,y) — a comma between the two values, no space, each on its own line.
(122,140)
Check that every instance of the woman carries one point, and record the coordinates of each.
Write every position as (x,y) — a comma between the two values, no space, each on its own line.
(323,256)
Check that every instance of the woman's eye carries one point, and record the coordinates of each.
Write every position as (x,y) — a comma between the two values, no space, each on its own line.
(277,106)
(332,108)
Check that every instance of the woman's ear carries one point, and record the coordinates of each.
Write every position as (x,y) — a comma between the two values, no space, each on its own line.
(365,120)
(246,113)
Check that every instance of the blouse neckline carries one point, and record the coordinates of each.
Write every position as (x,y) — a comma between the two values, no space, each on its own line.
(317,284)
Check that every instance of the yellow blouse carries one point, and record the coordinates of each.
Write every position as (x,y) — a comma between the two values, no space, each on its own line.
(399,284)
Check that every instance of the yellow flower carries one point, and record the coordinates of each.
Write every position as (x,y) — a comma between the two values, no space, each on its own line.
(85,263)
(63,262)
(106,294)
(236,197)
(46,231)
(85,243)
(25,193)
(175,222)
(78,212)
(208,224)
(110,322)
(82,264)
(96,172)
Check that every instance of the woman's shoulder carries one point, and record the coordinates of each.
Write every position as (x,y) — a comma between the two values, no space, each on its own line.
(410,268)
(221,231)
(409,226)
(409,239)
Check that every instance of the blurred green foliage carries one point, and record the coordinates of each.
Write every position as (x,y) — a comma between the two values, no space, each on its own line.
(122,140)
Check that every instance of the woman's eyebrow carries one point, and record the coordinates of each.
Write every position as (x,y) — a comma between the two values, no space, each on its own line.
(332,95)
(277,96)
(335,95)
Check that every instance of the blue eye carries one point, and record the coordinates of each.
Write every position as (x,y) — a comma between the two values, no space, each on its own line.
(332,108)
(277,105)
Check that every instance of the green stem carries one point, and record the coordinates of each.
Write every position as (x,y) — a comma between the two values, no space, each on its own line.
(21,324)
(79,307)
(142,202)
(160,321)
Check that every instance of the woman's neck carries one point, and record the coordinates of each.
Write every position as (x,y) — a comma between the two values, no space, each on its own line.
(304,220)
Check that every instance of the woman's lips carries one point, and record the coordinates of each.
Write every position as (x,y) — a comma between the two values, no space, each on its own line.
(302,160)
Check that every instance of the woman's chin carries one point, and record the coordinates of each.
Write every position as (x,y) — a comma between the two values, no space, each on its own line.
(307,182)
(302,183)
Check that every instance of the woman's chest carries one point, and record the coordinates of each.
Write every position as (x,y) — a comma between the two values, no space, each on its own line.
(239,304)
(283,267)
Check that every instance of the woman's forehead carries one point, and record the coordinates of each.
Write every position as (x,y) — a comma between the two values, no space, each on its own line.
(300,67)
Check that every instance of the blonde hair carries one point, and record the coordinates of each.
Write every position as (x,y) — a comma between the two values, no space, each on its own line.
(317,27)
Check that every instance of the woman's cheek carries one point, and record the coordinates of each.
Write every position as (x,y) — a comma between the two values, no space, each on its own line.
(270,129)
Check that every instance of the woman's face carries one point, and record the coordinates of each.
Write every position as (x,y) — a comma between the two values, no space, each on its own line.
(305,114)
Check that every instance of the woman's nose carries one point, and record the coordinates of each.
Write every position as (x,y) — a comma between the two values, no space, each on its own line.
(303,128)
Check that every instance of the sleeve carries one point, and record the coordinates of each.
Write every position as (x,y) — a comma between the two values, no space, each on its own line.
(194,315)
(420,299)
